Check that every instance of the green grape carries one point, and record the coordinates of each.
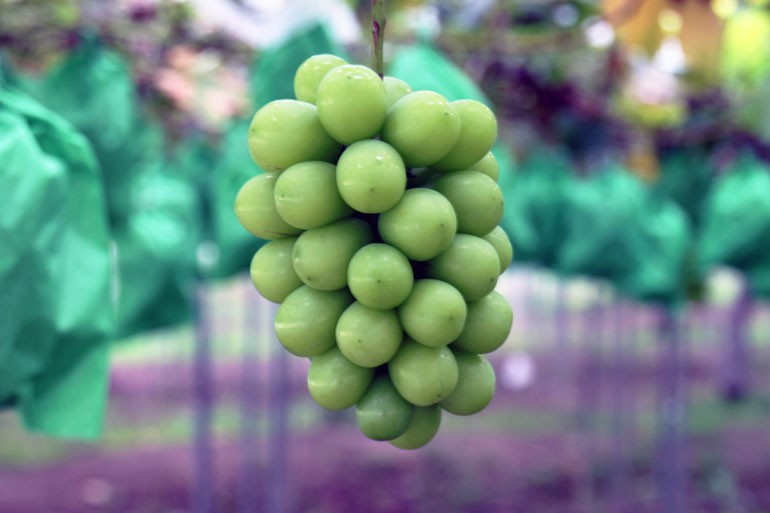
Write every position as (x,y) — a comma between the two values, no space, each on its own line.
(502,244)
(475,385)
(380,276)
(478,131)
(382,414)
(306,320)
(306,195)
(311,72)
(371,176)
(434,313)
(476,198)
(423,375)
(286,132)
(352,103)
(487,165)
(421,225)
(487,324)
(470,264)
(321,256)
(272,271)
(255,209)
(336,383)
(423,126)
(423,427)
(395,89)
(368,337)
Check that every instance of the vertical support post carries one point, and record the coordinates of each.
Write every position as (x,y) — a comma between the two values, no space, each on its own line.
(256,327)
(591,332)
(671,468)
(736,378)
(278,449)
(203,399)
(561,345)
(618,376)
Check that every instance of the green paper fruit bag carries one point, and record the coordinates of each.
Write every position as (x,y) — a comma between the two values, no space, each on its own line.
(55,272)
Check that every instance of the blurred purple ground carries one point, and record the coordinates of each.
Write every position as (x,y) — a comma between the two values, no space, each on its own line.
(574,428)
(484,465)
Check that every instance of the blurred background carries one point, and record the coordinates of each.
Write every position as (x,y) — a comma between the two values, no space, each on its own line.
(634,156)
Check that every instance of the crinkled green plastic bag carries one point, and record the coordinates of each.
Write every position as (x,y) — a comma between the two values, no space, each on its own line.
(618,230)
(686,177)
(16,79)
(157,244)
(736,229)
(598,211)
(55,273)
(142,148)
(736,222)
(535,199)
(94,90)
(759,277)
(154,213)
(272,74)
(658,239)
(8,75)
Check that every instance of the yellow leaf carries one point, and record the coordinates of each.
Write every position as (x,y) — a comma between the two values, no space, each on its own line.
(746,47)
(636,22)
(642,159)
(701,38)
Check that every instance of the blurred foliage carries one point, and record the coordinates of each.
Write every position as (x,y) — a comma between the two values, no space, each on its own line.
(161,41)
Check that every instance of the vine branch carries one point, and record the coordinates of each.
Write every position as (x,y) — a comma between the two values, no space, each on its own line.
(378,35)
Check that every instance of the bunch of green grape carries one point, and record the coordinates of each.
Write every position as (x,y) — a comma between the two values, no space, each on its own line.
(382,209)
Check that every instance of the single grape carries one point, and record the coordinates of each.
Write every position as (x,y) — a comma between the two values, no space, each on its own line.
(434,313)
(478,131)
(423,126)
(272,271)
(321,256)
(476,198)
(352,103)
(255,209)
(306,195)
(423,427)
(336,383)
(311,72)
(306,320)
(423,375)
(286,132)
(470,264)
(382,414)
(380,276)
(368,337)
(371,176)
(421,225)
(475,385)
(487,165)
(502,244)
(487,324)
(395,89)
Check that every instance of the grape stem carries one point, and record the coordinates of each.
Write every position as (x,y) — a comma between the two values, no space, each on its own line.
(378,35)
